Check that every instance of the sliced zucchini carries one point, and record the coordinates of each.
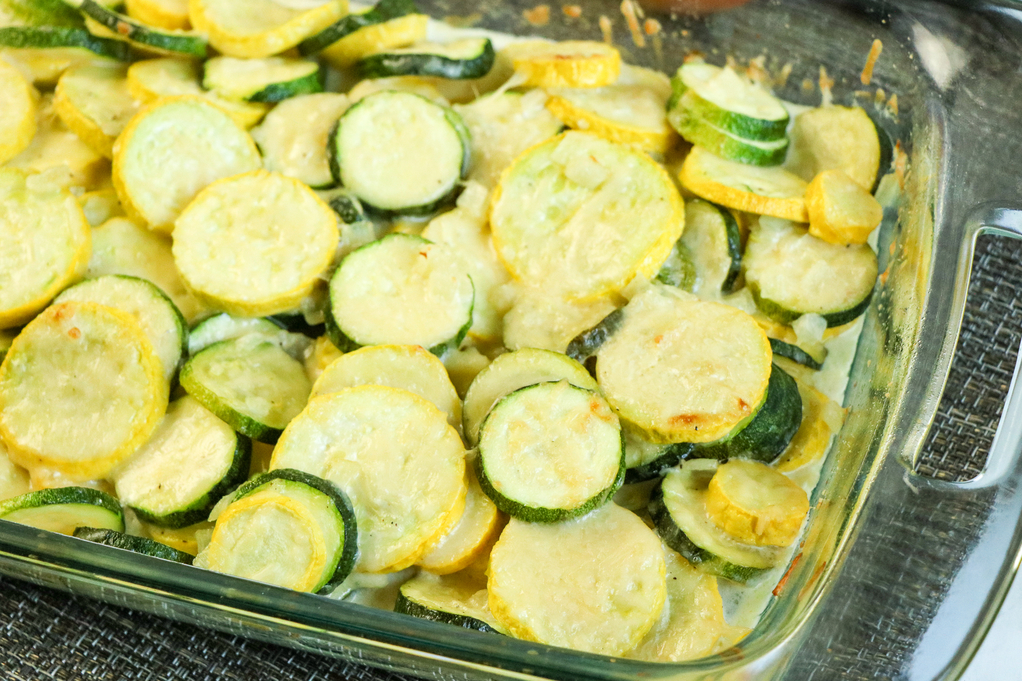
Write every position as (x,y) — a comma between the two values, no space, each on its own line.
(451,599)
(678,369)
(835,137)
(503,125)
(37,13)
(271,79)
(152,309)
(261,28)
(46,243)
(567,63)
(191,461)
(250,383)
(48,51)
(63,509)
(225,327)
(512,371)
(797,354)
(173,149)
(821,418)
(840,210)
(120,246)
(723,143)
(626,114)
(792,273)
(403,290)
(580,216)
(765,191)
(286,528)
(727,101)
(290,237)
(143,545)
(56,148)
(678,270)
(477,529)
(756,504)
(383,11)
(169,15)
(549,452)
(321,356)
(399,152)
(538,320)
(293,139)
(540,589)
(347,207)
(715,243)
(140,35)
(91,369)
(678,510)
(399,461)
(771,429)
(645,460)
(18,117)
(461,59)
(408,367)
(364,39)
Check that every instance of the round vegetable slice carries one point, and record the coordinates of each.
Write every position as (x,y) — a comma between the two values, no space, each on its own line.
(270,79)
(478,528)
(105,22)
(353,23)
(451,599)
(395,456)
(44,245)
(18,114)
(836,137)
(143,545)
(840,210)
(293,137)
(714,243)
(723,143)
(63,509)
(821,418)
(91,369)
(756,504)
(541,591)
(260,28)
(166,14)
(54,146)
(626,114)
(461,59)
(367,39)
(568,63)
(580,216)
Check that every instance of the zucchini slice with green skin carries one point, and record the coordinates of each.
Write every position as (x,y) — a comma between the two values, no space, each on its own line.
(286,528)
(678,270)
(62,509)
(250,383)
(191,461)
(143,545)
(726,100)
(448,599)
(718,141)
(224,326)
(514,370)
(170,43)
(459,60)
(293,138)
(401,290)
(715,242)
(383,11)
(54,37)
(796,354)
(647,460)
(272,79)
(347,206)
(400,152)
(549,452)
(791,273)
(678,511)
(771,429)
(588,343)
(37,13)
(155,312)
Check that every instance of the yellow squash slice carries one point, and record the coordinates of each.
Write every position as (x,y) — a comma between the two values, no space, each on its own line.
(17,112)
(14,480)
(43,66)
(755,503)
(835,137)
(840,210)
(173,149)
(254,244)
(367,40)
(569,63)
(88,372)
(170,15)
(44,246)
(626,114)
(260,28)
(94,102)
(821,418)
(57,149)
(472,537)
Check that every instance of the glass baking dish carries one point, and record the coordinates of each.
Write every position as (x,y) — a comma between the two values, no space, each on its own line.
(899,575)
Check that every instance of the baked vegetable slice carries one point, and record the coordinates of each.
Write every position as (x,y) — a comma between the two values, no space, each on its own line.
(45,245)
(399,461)
(821,418)
(286,528)
(792,273)
(408,367)
(225,327)
(461,59)
(549,452)
(399,152)
(250,383)
(512,371)
(645,460)
(138,34)
(678,510)
(94,102)
(561,203)
(626,114)
(836,137)
(18,117)
(797,354)
(383,11)
(261,28)
(756,504)
(451,599)
(166,14)
(388,25)
(271,79)
(63,509)
(840,210)
(567,63)
(401,289)
(191,461)
(143,545)
(724,144)
(293,140)
(477,529)
(715,245)
(54,146)
(170,151)
(541,591)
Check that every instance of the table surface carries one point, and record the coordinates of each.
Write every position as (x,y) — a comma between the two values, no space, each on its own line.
(49,635)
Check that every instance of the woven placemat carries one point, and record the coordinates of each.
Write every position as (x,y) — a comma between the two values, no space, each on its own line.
(48,635)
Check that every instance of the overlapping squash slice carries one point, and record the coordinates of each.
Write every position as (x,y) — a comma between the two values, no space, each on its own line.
(568,63)
(260,28)
(17,112)
(94,102)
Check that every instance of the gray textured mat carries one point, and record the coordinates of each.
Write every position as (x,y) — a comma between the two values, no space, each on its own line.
(47,635)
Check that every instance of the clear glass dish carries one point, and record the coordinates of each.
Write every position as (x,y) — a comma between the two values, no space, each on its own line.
(899,575)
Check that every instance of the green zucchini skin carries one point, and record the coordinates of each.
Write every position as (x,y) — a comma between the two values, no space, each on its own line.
(385,10)
(723,143)
(675,538)
(128,542)
(349,550)
(386,64)
(678,270)
(143,36)
(770,431)
(588,343)
(44,37)
(795,354)
(734,247)
(85,496)
(278,92)
(672,455)
(785,316)
(406,606)
(347,206)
